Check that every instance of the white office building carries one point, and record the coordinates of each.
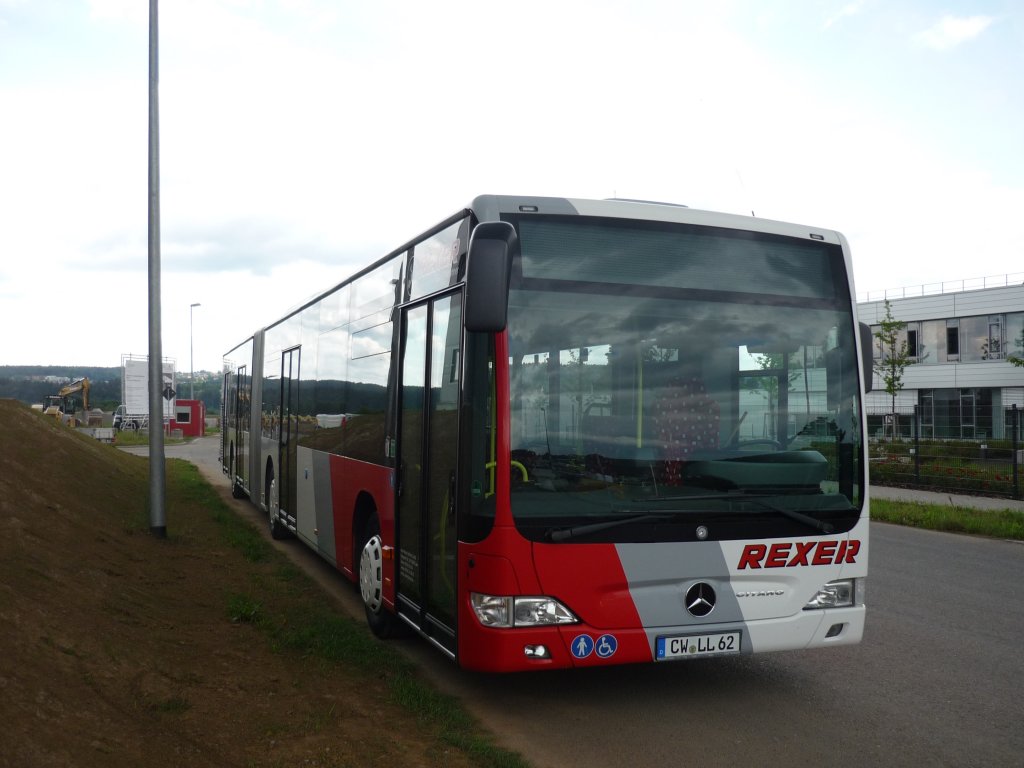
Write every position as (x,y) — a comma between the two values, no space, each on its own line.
(959,337)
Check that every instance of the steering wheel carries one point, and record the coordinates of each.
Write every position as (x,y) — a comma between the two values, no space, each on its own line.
(765,441)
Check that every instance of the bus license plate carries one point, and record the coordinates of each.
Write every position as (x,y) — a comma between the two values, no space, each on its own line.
(697,645)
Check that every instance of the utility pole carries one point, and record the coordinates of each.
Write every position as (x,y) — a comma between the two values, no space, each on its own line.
(191,364)
(157,471)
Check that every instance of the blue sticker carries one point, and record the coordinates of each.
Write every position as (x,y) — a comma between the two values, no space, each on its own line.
(582,646)
(606,646)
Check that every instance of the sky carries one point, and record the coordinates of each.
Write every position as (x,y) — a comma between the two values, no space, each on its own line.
(300,140)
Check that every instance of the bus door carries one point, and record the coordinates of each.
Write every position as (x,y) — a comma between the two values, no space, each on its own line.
(427,458)
(240,403)
(289,431)
(228,411)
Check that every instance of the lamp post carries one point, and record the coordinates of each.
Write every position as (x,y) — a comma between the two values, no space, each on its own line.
(157,473)
(191,369)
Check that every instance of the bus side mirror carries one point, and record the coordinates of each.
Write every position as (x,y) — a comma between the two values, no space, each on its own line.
(492,247)
(867,355)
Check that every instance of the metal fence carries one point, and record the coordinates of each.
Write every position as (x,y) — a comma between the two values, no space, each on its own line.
(900,456)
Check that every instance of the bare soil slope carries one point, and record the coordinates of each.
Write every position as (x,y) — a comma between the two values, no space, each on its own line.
(116,648)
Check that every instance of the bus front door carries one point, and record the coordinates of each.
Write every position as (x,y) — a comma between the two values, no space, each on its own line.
(289,432)
(427,458)
(242,391)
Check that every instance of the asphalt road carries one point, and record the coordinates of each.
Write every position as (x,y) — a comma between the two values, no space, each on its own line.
(938,679)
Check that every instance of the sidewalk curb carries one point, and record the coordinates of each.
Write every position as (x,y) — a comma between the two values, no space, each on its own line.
(889,493)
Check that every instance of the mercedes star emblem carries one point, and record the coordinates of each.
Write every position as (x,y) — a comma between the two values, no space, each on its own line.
(700,599)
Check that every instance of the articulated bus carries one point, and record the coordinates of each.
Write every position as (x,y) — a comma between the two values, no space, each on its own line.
(555,433)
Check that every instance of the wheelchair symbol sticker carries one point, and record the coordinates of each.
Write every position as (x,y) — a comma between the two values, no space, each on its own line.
(582,646)
(606,646)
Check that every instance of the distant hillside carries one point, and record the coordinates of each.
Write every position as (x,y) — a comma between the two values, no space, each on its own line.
(30,384)
(94,373)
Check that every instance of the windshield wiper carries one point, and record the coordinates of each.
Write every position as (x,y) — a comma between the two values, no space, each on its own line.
(792,514)
(563,534)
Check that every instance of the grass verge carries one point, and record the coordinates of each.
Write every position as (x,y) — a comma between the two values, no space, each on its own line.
(1004,524)
(125,437)
(290,611)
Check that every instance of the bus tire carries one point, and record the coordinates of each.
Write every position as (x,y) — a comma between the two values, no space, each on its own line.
(371,582)
(277,528)
(237,491)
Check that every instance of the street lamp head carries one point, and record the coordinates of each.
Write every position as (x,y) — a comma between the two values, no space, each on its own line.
(197,304)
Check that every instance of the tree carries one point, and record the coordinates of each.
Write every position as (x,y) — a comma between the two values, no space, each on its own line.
(778,368)
(894,359)
(1016,359)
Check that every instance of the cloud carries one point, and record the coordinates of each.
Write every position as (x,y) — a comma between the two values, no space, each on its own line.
(118,10)
(850,9)
(951,31)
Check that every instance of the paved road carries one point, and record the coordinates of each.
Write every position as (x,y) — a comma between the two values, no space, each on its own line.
(204,453)
(938,679)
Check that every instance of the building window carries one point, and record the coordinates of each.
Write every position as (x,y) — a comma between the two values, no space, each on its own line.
(956,414)
(968,416)
(931,344)
(912,349)
(952,340)
(974,339)
(1014,334)
(183,416)
(994,349)
(926,403)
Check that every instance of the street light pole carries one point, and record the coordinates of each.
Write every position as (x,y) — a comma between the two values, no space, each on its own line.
(157,472)
(191,367)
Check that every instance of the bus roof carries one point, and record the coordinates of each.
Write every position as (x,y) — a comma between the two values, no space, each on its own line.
(492,207)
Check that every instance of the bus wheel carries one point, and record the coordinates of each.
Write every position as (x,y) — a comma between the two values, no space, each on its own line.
(237,491)
(277,528)
(371,582)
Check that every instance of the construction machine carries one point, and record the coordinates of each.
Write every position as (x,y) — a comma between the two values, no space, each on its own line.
(62,405)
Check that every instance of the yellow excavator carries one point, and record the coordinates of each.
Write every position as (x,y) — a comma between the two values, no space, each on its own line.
(61,407)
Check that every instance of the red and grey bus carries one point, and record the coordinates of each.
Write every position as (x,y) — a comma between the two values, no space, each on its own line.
(564,433)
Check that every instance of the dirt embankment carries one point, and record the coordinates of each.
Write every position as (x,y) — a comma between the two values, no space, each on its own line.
(116,649)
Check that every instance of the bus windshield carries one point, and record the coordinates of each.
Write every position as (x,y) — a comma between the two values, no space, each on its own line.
(672,381)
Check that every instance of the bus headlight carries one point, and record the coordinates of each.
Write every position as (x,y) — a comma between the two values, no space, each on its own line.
(505,611)
(838,594)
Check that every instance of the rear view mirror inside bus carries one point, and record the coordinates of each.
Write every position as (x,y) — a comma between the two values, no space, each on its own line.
(488,269)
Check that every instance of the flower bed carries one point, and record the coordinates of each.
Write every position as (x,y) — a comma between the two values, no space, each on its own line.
(943,468)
